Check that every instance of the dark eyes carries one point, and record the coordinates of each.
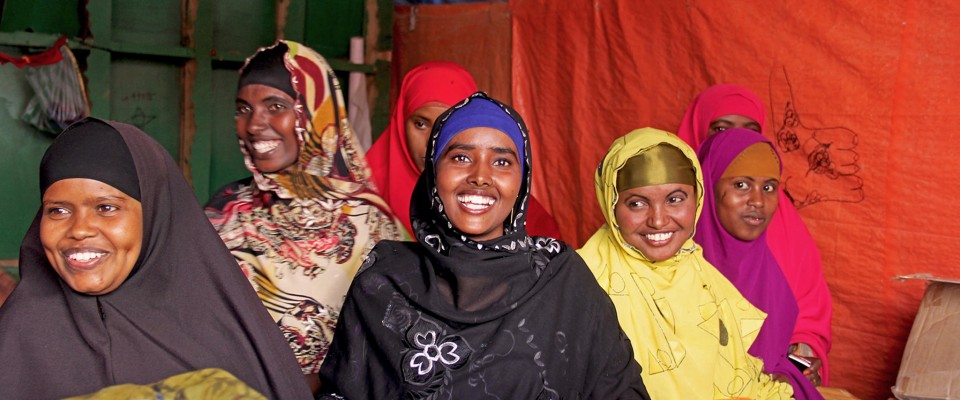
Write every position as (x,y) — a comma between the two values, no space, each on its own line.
(56,212)
(740,185)
(107,208)
(242,109)
(420,124)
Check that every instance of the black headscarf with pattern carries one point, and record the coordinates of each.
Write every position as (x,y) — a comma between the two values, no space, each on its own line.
(452,318)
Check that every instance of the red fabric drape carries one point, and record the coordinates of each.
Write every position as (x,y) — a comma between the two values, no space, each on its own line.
(863,93)
(46,57)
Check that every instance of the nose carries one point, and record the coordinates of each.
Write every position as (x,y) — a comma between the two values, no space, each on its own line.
(755,198)
(256,122)
(480,174)
(657,219)
(82,226)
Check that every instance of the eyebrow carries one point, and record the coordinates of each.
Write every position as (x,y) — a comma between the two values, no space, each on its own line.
(459,146)
(505,150)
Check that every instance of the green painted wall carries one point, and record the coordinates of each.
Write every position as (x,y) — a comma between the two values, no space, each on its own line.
(21,147)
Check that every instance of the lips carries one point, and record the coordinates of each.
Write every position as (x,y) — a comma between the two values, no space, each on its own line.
(658,239)
(753,219)
(476,203)
(263,147)
(84,257)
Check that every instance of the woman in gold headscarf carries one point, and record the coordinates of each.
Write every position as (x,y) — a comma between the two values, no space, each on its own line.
(689,326)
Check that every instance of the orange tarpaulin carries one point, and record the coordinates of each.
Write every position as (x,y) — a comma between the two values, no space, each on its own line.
(861,92)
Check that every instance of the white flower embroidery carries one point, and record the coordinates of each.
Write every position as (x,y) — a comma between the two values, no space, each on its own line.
(432,352)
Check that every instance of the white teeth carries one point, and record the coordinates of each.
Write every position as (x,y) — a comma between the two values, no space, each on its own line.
(85,256)
(476,202)
(659,237)
(265,146)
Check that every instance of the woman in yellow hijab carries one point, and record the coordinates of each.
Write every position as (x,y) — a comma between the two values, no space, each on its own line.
(689,326)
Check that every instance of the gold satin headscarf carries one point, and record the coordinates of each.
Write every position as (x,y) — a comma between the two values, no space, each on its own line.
(759,159)
(658,165)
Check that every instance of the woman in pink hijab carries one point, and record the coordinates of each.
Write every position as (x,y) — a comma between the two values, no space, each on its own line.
(726,106)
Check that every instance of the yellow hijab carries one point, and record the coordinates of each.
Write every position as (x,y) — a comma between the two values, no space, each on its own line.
(689,326)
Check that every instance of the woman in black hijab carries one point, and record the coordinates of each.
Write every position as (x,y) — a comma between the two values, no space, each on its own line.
(477,308)
(123,280)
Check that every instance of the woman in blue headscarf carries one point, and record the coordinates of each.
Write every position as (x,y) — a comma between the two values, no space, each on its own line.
(476,307)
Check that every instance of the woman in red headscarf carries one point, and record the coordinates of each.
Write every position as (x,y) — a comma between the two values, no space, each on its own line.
(726,106)
(397,157)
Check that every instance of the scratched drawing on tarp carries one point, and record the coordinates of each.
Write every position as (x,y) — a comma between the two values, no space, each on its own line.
(820,162)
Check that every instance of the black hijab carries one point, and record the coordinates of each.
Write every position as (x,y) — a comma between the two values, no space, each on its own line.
(186,306)
(448,317)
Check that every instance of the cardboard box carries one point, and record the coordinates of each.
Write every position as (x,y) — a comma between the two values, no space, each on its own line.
(930,368)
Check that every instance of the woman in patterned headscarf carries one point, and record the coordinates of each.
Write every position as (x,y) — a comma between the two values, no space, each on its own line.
(689,326)
(476,308)
(302,225)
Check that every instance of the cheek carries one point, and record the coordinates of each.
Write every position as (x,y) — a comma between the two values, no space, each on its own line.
(286,125)
(50,234)
(626,220)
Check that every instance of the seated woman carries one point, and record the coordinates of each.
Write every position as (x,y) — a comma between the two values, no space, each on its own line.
(397,157)
(741,172)
(690,328)
(477,308)
(726,106)
(302,225)
(124,281)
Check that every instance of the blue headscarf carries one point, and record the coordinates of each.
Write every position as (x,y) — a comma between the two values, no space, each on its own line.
(480,112)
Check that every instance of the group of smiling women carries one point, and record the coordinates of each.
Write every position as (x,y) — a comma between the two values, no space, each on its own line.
(698,286)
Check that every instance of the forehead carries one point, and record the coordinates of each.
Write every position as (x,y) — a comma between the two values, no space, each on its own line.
(733,119)
(80,189)
(653,192)
(257,92)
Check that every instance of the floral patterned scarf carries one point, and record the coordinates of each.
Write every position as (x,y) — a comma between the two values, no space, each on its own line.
(300,234)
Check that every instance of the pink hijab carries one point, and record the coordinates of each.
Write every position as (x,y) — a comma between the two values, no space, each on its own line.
(787,235)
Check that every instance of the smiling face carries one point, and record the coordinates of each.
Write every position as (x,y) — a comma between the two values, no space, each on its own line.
(745,204)
(91,233)
(725,122)
(657,219)
(478,180)
(418,126)
(265,124)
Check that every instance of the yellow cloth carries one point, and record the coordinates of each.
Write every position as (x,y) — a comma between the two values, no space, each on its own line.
(673,310)
(204,384)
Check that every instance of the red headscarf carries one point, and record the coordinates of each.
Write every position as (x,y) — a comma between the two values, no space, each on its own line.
(717,101)
(395,173)
(787,235)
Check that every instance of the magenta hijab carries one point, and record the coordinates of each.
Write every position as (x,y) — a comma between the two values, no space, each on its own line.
(787,235)
(750,266)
